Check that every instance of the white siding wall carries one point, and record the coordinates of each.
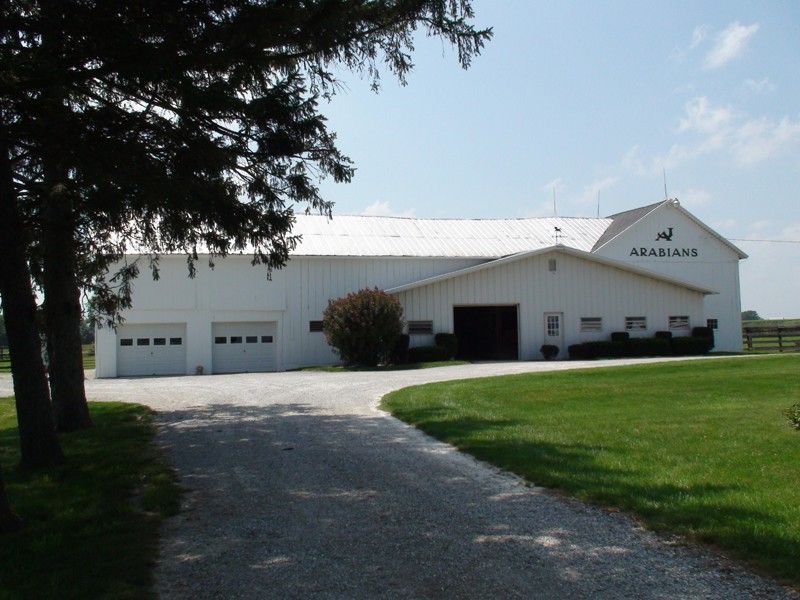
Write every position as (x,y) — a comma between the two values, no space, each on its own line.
(235,291)
(312,282)
(716,267)
(578,288)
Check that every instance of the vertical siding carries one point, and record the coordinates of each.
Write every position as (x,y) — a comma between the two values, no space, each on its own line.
(579,288)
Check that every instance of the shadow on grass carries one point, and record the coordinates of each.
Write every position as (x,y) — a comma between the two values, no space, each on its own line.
(91,525)
(304,501)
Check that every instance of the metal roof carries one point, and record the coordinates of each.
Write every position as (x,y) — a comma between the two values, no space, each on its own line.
(346,235)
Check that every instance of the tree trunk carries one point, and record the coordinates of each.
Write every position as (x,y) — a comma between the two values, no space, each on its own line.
(9,521)
(39,444)
(62,305)
(63,311)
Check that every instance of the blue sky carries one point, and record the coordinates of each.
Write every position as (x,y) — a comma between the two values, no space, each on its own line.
(588,98)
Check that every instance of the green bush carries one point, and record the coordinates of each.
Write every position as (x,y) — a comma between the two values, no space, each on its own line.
(419,354)
(793,415)
(690,346)
(648,347)
(549,351)
(664,335)
(447,341)
(620,336)
(399,354)
(577,352)
(363,327)
(704,332)
(603,349)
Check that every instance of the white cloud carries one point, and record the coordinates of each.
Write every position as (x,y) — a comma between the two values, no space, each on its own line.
(692,198)
(556,184)
(764,138)
(721,129)
(729,44)
(384,209)
(699,34)
(701,116)
(589,195)
(760,86)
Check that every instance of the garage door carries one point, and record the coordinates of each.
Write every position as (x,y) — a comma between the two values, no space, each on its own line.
(154,349)
(244,347)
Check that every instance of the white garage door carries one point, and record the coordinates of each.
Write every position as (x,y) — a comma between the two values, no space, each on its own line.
(244,347)
(154,349)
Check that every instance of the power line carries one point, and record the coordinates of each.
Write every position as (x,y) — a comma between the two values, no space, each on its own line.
(767,241)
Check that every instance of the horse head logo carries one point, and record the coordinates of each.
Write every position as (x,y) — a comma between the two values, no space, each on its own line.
(665,235)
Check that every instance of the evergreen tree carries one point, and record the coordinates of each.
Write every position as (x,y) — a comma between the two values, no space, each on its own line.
(181,125)
(39,446)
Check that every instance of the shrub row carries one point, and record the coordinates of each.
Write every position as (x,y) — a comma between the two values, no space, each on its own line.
(639,347)
(449,342)
(419,354)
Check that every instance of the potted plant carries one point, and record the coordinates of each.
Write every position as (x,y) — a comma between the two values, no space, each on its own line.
(549,351)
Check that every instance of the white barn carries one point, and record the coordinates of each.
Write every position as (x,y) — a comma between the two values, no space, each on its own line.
(504,286)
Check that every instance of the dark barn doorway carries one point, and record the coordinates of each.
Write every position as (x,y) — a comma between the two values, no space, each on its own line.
(486,332)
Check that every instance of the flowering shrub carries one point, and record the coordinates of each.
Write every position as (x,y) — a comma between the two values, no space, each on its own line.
(363,327)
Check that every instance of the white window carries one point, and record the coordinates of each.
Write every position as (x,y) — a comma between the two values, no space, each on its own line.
(635,323)
(420,327)
(679,323)
(591,324)
(553,325)
(712,323)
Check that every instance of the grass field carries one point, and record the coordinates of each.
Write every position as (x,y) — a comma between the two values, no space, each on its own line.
(406,367)
(700,449)
(91,526)
(88,359)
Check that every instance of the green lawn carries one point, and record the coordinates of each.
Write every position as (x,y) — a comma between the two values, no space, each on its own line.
(406,367)
(88,359)
(695,448)
(92,525)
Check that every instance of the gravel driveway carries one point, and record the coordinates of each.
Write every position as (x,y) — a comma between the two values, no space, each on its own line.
(300,487)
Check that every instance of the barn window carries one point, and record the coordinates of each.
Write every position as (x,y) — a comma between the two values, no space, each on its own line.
(712,323)
(551,265)
(266,339)
(159,341)
(175,341)
(252,339)
(420,327)
(236,339)
(635,323)
(142,341)
(221,340)
(126,342)
(315,326)
(553,325)
(679,323)
(591,324)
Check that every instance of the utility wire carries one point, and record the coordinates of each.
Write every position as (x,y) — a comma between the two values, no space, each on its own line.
(768,241)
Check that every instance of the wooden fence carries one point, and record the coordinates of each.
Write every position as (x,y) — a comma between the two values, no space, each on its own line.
(771,339)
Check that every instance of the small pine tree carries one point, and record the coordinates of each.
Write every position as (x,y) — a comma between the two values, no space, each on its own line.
(364,326)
